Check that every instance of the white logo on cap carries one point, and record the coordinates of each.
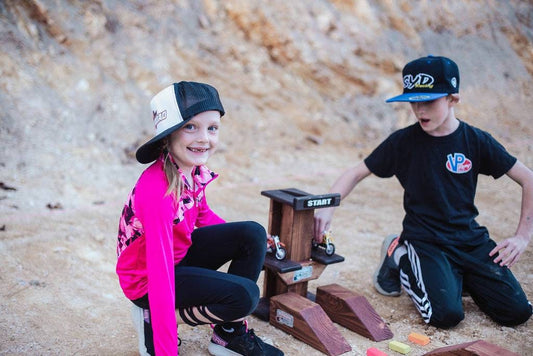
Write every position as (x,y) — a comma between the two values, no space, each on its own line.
(454,82)
(165,110)
(158,117)
(421,80)
(419,98)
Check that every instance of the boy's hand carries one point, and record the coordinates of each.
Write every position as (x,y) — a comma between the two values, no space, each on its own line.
(509,250)
(322,222)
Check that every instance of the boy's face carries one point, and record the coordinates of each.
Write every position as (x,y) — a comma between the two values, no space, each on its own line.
(436,117)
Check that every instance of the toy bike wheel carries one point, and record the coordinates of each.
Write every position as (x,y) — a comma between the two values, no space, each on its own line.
(330,249)
(281,253)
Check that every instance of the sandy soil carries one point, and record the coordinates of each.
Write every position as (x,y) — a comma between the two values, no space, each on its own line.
(60,294)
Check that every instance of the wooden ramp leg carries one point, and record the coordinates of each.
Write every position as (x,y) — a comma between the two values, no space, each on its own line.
(474,348)
(305,320)
(352,311)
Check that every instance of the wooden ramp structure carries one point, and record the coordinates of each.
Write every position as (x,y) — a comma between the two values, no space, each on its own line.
(474,348)
(307,321)
(286,302)
(353,311)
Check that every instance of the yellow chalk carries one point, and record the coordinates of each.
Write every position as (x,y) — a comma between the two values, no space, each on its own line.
(400,347)
(418,339)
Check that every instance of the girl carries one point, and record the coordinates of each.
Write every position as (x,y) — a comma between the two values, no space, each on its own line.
(170,243)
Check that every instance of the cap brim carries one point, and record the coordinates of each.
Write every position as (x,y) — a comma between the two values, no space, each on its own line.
(149,151)
(416,97)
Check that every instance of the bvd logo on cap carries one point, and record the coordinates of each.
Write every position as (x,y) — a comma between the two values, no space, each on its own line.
(421,80)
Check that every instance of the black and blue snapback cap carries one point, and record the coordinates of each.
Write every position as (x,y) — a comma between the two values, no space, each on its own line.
(428,78)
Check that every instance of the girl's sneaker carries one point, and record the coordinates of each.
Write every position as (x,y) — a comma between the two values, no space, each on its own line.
(248,344)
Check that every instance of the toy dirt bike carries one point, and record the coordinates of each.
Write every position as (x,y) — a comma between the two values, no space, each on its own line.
(327,244)
(276,247)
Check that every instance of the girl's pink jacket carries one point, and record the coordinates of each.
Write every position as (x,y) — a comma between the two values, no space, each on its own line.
(154,235)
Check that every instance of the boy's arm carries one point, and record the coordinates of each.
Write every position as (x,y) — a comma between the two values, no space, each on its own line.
(512,248)
(343,185)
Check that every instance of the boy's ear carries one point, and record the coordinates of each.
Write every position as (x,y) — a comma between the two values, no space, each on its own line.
(454,98)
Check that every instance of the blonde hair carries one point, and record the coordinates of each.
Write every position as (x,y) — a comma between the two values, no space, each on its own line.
(175,183)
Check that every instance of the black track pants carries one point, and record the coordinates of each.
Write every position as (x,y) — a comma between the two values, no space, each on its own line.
(434,277)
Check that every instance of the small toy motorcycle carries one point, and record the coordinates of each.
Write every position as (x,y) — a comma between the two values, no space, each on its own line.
(327,243)
(276,247)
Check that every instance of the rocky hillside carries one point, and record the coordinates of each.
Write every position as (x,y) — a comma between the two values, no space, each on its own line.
(76,76)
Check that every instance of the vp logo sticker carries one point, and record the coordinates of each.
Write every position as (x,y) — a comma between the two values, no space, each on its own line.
(458,163)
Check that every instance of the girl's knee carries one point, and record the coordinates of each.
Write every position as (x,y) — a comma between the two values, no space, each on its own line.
(254,233)
(239,303)
(248,298)
(253,228)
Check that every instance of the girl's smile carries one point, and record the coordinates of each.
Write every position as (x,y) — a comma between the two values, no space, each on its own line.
(193,144)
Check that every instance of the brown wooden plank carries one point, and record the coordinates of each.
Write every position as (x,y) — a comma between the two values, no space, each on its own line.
(319,255)
(270,284)
(286,230)
(310,270)
(274,218)
(299,288)
(283,266)
(302,234)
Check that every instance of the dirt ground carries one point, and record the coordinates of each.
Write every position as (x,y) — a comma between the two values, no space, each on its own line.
(60,293)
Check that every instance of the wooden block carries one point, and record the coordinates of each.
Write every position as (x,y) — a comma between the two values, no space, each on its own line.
(320,256)
(352,311)
(306,321)
(274,217)
(272,285)
(399,346)
(375,352)
(474,348)
(297,232)
(281,266)
(418,339)
(300,200)
(309,270)
(285,196)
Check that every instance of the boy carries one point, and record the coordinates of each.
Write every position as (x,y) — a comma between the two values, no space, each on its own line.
(442,249)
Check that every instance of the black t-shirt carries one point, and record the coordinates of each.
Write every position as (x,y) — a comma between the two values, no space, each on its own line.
(439,177)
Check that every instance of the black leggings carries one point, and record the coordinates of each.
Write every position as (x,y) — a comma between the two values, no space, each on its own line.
(229,296)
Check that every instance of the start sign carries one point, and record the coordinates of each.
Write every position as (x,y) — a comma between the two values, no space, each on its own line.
(319,203)
(301,200)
